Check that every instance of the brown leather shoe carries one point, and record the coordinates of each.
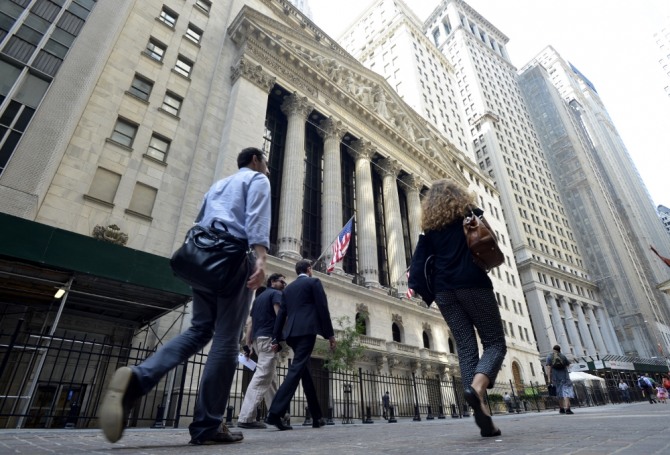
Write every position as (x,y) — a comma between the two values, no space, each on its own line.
(219,437)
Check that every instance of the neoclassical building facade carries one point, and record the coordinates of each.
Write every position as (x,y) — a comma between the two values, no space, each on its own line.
(161,96)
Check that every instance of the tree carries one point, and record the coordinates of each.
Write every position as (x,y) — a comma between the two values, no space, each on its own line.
(349,348)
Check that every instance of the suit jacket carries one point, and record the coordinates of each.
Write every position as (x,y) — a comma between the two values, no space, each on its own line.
(303,310)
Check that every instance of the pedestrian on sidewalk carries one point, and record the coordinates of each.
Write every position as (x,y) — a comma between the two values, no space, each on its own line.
(647,385)
(303,315)
(242,202)
(625,393)
(258,339)
(464,294)
(386,403)
(557,370)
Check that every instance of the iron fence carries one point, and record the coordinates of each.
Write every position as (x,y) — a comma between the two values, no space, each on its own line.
(58,382)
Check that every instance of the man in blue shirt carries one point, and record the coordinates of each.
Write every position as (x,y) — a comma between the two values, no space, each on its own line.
(242,201)
(259,336)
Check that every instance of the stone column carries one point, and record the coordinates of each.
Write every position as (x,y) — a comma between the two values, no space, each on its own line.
(596,331)
(395,244)
(584,329)
(331,131)
(572,330)
(606,328)
(297,109)
(365,214)
(412,187)
(559,329)
(537,307)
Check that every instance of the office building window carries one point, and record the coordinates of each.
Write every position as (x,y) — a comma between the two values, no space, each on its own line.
(19,110)
(172,103)
(204,5)
(168,17)
(124,132)
(158,147)
(141,87)
(183,66)
(143,200)
(194,33)
(155,49)
(104,185)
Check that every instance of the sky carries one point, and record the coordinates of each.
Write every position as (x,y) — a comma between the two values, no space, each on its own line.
(611,42)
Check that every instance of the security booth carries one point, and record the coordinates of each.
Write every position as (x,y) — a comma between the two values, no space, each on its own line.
(72,309)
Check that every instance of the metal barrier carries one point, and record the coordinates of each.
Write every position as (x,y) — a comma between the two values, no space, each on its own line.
(58,382)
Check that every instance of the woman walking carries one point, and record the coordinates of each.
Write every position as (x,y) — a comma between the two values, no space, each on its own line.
(558,373)
(464,295)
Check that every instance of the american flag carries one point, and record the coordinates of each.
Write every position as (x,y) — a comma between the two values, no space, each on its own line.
(340,245)
(410,292)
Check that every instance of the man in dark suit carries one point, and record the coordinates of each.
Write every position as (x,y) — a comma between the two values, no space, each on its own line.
(303,314)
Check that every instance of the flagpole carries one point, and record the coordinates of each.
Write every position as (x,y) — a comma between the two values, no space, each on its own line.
(331,242)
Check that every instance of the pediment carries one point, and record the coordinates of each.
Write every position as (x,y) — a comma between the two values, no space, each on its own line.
(336,72)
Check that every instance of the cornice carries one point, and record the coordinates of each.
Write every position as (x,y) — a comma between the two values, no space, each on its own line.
(253,73)
(345,88)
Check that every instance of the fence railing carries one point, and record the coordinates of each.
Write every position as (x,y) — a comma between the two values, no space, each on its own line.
(58,382)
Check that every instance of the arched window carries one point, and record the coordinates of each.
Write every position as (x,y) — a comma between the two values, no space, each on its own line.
(426,340)
(452,349)
(361,324)
(396,333)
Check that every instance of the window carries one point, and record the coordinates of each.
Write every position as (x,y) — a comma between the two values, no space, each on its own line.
(158,147)
(172,103)
(194,33)
(155,50)
(104,185)
(426,340)
(183,66)
(141,87)
(204,5)
(142,201)
(124,132)
(396,333)
(168,17)
(19,111)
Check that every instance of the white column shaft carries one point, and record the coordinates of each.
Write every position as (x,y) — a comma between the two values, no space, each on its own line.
(293,178)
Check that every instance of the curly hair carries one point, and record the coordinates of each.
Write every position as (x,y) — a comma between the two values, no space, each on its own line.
(445,202)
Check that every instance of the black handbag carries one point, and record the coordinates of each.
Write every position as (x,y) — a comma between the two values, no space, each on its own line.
(422,270)
(211,259)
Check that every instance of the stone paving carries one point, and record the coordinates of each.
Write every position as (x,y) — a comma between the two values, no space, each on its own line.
(637,428)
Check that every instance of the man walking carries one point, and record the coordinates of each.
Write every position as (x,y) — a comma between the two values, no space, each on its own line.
(304,311)
(625,393)
(386,403)
(647,386)
(242,202)
(259,336)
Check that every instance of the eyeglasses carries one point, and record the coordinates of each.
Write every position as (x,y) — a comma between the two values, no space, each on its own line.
(282,282)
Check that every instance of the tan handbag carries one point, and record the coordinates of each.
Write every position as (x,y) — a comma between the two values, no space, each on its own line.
(482,242)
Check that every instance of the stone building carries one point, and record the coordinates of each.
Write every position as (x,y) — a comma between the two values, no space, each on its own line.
(149,104)
(598,182)
(457,56)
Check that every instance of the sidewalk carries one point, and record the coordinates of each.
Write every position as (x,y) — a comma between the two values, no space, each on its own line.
(638,428)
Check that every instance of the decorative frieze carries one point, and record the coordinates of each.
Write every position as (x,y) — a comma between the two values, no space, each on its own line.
(253,73)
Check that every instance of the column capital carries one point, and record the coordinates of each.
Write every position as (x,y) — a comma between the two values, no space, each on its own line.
(389,167)
(331,128)
(296,105)
(253,73)
(362,149)
(412,182)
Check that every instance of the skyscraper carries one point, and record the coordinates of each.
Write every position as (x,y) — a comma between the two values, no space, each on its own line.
(563,300)
(389,39)
(607,203)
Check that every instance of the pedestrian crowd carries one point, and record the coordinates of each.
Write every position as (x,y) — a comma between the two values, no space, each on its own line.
(295,314)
